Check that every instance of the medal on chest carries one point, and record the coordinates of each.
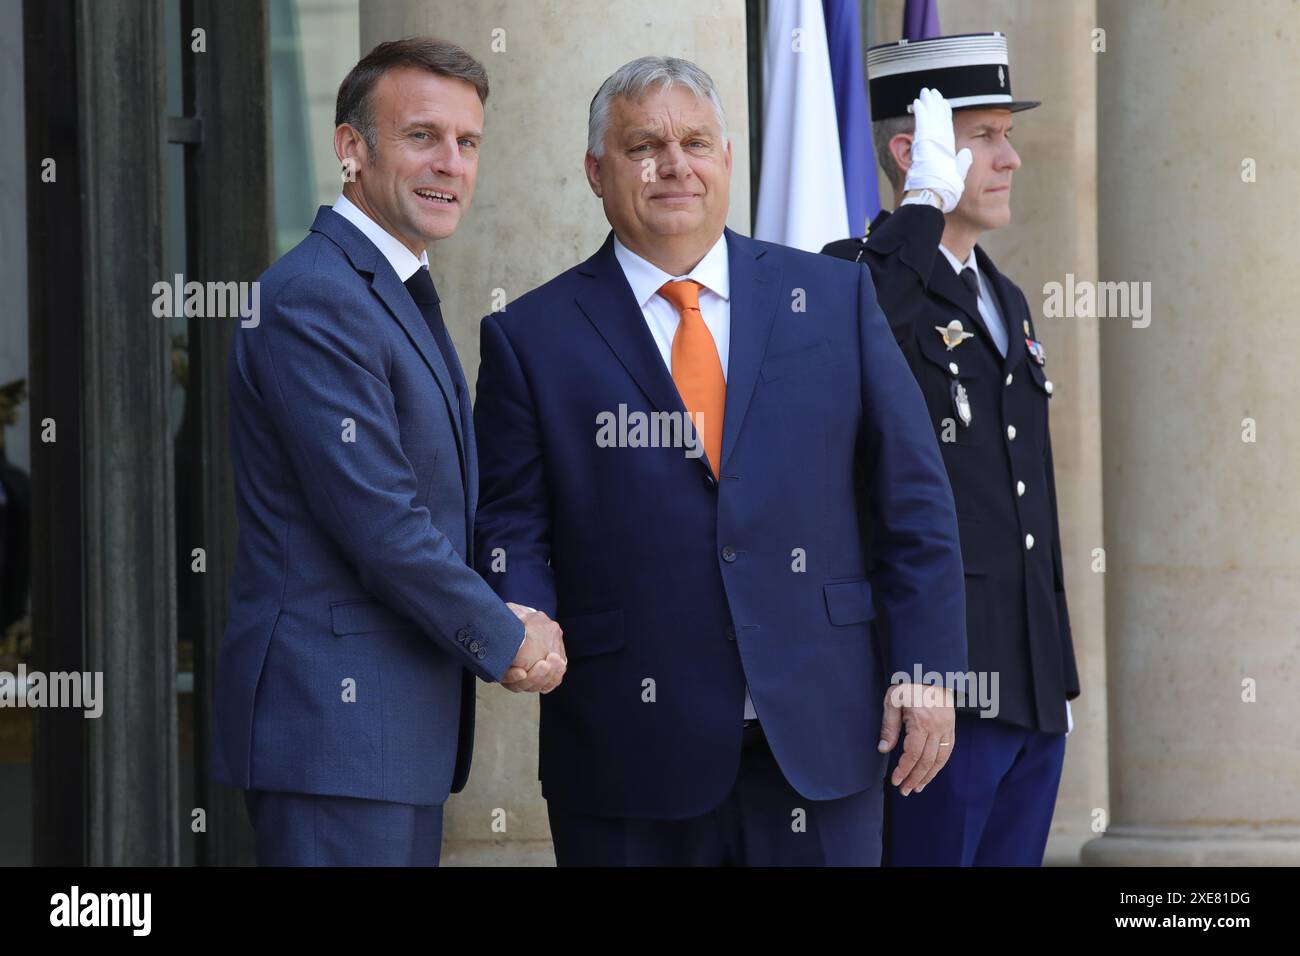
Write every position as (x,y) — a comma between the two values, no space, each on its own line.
(953,334)
(1035,348)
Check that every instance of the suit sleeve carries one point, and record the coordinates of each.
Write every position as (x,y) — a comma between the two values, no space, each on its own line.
(513,526)
(916,552)
(321,369)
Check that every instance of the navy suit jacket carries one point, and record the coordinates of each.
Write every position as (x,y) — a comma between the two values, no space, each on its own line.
(356,622)
(673,589)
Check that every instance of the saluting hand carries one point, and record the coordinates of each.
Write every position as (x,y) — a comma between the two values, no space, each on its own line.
(936,165)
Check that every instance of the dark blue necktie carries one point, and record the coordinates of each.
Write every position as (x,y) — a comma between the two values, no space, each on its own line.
(420,285)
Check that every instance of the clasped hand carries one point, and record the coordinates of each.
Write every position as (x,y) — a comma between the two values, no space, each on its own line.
(541,662)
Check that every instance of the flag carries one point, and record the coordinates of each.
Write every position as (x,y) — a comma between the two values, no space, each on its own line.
(801,187)
(920,19)
(844,41)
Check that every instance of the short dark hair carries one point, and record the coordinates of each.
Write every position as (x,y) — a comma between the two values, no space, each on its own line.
(442,57)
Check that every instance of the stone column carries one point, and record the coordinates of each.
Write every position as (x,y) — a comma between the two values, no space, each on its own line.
(1053,233)
(532,217)
(1197,137)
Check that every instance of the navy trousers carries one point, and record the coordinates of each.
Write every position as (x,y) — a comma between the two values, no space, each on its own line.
(763,821)
(303,829)
(991,805)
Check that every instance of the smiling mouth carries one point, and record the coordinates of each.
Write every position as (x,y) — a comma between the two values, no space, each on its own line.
(437,197)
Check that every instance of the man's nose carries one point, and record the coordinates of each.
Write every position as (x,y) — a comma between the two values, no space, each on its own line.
(672,162)
(447,159)
(1009,159)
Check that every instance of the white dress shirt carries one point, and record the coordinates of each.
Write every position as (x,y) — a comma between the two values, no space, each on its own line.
(713,272)
(399,257)
(987,301)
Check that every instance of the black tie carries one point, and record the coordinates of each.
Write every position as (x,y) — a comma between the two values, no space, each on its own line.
(420,285)
(972,281)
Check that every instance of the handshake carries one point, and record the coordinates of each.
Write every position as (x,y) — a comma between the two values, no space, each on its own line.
(541,662)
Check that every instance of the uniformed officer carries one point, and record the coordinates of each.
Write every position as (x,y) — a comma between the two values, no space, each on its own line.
(968,335)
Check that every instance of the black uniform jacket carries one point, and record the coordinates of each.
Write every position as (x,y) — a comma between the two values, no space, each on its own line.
(999,465)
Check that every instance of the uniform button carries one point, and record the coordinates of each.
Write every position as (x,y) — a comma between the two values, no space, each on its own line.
(473,647)
(1011,433)
(731,632)
(952,367)
(1029,542)
(729,554)
(1048,385)
(1008,379)
(1020,488)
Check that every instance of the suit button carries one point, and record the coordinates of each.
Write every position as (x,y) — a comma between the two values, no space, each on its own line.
(463,634)
(1008,379)
(731,632)
(1029,542)
(473,647)
(481,654)
(709,480)
(1020,488)
(729,554)
(1011,433)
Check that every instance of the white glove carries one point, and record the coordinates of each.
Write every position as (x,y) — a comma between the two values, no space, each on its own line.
(936,165)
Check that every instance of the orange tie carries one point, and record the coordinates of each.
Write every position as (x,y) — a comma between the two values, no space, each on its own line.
(697,371)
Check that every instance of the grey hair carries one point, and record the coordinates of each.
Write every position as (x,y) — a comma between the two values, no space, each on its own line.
(882,131)
(633,80)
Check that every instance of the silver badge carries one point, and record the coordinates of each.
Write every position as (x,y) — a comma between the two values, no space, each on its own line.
(961,403)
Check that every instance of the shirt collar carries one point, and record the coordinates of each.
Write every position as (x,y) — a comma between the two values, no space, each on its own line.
(957,264)
(646,278)
(399,257)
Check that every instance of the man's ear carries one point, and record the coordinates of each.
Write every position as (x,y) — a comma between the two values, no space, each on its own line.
(592,167)
(900,147)
(352,152)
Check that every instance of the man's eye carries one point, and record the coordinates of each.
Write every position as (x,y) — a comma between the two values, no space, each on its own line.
(468,143)
(418,134)
(637,149)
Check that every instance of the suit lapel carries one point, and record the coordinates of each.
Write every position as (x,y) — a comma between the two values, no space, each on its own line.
(754,294)
(611,307)
(366,259)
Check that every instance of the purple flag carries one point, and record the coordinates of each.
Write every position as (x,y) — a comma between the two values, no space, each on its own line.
(920,20)
(844,43)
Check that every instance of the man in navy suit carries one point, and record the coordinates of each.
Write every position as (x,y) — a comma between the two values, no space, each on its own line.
(345,695)
(683,441)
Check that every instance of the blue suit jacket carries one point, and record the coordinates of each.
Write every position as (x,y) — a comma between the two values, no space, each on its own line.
(352,454)
(674,589)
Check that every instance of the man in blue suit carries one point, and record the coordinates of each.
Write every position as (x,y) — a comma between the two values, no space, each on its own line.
(684,440)
(345,694)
